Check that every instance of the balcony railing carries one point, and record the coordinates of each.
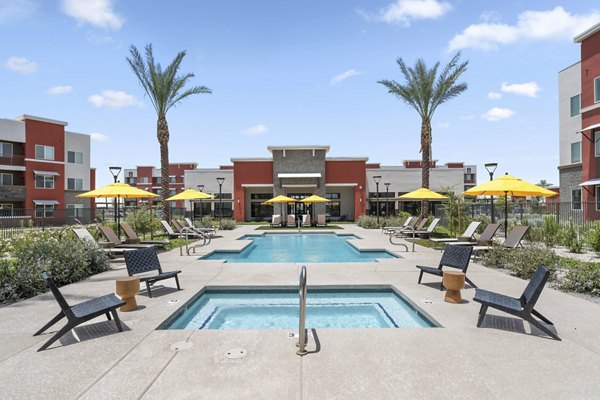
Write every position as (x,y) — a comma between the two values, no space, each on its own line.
(14,160)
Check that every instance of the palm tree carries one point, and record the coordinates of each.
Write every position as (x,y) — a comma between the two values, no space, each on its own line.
(165,89)
(424,91)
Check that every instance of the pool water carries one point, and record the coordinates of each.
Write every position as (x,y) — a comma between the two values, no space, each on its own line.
(279,309)
(299,247)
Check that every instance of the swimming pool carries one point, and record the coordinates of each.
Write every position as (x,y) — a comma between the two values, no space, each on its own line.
(299,247)
(373,307)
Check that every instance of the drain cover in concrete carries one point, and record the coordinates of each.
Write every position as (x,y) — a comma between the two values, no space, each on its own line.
(236,353)
(183,345)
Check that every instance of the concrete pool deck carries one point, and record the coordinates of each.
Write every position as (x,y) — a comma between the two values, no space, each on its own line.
(502,360)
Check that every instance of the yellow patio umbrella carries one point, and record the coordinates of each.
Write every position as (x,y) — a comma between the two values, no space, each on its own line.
(191,194)
(280,199)
(314,199)
(422,194)
(508,185)
(118,190)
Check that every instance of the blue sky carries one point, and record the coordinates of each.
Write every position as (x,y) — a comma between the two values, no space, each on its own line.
(289,73)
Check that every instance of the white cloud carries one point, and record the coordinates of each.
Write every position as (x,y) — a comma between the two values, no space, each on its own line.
(343,76)
(405,11)
(494,95)
(98,13)
(21,64)
(99,138)
(556,24)
(524,89)
(14,9)
(113,99)
(256,130)
(497,113)
(444,125)
(60,89)
(467,117)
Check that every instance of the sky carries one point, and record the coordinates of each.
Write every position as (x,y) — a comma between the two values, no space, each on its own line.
(296,73)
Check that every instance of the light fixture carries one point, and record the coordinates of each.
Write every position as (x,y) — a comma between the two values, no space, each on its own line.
(491,167)
(377,179)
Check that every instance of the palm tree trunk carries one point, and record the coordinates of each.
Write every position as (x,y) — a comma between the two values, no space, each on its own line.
(162,132)
(425,161)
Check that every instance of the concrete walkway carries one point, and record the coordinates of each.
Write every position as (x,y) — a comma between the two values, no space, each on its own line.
(503,360)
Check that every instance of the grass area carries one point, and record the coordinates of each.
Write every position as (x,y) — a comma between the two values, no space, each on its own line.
(304,228)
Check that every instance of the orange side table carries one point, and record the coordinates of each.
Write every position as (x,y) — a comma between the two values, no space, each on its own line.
(127,287)
(453,281)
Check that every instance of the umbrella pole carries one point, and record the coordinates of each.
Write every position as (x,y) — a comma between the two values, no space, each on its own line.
(118,219)
(505,214)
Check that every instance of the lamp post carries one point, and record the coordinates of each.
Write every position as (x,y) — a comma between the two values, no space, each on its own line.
(491,167)
(220,182)
(115,171)
(387,199)
(377,178)
(200,188)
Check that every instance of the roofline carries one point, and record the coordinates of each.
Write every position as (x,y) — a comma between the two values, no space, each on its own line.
(41,119)
(250,159)
(587,33)
(298,147)
(570,66)
(347,159)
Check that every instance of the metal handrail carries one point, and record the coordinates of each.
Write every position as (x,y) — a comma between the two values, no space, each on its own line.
(302,332)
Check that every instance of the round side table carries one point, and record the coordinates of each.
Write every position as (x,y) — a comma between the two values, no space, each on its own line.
(127,288)
(453,281)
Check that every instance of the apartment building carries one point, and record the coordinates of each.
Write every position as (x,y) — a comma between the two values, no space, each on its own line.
(579,129)
(42,168)
(353,186)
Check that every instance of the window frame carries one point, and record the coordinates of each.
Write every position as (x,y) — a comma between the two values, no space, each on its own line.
(74,153)
(45,149)
(597,89)
(44,210)
(578,96)
(597,143)
(573,161)
(597,193)
(75,181)
(576,205)
(12,179)
(12,149)
(47,182)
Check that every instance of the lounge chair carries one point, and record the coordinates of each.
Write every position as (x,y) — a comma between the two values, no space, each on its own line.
(409,225)
(134,238)
(321,220)
(468,234)
(291,220)
(79,313)
(389,229)
(169,231)
(306,220)
(276,220)
(523,307)
(207,231)
(191,232)
(454,257)
(512,241)
(85,235)
(484,239)
(416,233)
(116,242)
(145,260)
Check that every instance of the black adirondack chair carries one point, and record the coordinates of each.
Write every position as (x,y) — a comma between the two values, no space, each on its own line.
(454,257)
(79,313)
(146,260)
(523,307)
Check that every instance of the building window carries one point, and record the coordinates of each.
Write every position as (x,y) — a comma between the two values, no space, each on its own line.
(576,152)
(74,157)
(131,181)
(260,211)
(334,207)
(44,182)
(6,179)
(597,198)
(172,179)
(576,199)
(144,179)
(597,89)
(74,184)
(575,105)
(44,210)
(597,143)
(44,152)
(75,210)
(468,170)
(6,210)
(6,149)
(172,192)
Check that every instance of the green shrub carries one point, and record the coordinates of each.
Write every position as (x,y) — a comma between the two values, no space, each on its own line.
(367,222)
(522,262)
(67,258)
(395,221)
(583,278)
(550,231)
(143,220)
(571,239)
(228,224)
(204,222)
(593,237)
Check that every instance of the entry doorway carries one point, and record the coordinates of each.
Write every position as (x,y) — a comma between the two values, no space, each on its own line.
(299,208)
